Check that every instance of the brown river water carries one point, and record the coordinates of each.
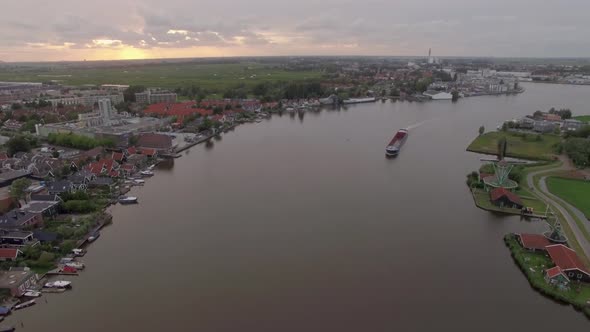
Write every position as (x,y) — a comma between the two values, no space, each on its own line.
(300,223)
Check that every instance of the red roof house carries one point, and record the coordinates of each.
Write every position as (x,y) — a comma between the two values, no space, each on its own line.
(118,156)
(8,254)
(505,198)
(569,262)
(533,241)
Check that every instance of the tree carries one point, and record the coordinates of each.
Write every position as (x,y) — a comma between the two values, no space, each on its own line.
(455,95)
(55,154)
(18,187)
(482,130)
(18,144)
(538,114)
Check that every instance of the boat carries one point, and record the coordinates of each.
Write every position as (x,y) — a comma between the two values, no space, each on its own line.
(146,173)
(7,328)
(24,305)
(63,284)
(128,200)
(359,100)
(93,237)
(32,293)
(139,182)
(78,252)
(76,265)
(395,145)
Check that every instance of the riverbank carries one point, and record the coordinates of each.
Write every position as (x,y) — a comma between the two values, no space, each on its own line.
(519,145)
(533,266)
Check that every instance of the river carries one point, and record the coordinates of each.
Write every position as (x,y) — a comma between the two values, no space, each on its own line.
(300,223)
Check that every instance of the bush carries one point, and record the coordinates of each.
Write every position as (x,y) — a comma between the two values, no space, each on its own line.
(79,206)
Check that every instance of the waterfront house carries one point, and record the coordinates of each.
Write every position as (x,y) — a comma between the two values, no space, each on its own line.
(81,179)
(150,153)
(504,198)
(544,127)
(9,254)
(438,95)
(571,125)
(556,276)
(45,208)
(102,181)
(60,187)
(6,178)
(16,238)
(569,262)
(533,242)
(118,157)
(17,280)
(16,219)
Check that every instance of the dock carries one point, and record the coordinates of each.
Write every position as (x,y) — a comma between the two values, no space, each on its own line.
(59,272)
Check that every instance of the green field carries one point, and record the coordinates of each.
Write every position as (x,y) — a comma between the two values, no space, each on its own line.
(583,118)
(525,146)
(575,192)
(170,75)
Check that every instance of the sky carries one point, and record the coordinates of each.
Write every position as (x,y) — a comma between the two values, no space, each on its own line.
(39,30)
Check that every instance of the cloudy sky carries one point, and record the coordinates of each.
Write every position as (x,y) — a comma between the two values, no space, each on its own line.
(33,30)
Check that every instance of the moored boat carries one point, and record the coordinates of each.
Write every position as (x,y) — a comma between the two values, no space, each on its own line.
(93,237)
(24,305)
(7,328)
(146,173)
(76,265)
(58,284)
(32,293)
(127,199)
(395,145)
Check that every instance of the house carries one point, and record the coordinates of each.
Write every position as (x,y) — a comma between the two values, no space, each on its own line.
(45,198)
(93,154)
(16,238)
(159,142)
(60,187)
(104,167)
(118,157)
(556,276)
(544,126)
(17,281)
(16,219)
(128,169)
(45,208)
(44,236)
(505,198)
(551,117)
(533,242)
(6,178)
(150,153)
(81,179)
(9,254)
(102,181)
(131,151)
(569,262)
(571,125)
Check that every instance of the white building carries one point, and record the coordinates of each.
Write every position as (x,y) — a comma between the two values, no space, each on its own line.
(438,95)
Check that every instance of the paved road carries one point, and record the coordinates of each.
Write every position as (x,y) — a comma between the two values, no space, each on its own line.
(558,203)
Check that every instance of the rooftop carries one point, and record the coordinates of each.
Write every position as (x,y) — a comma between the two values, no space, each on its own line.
(534,241)
(565,258)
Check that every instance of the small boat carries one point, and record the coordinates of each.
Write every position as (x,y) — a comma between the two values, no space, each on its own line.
(24,305)
(128,200)
(139,182)
(76,265)
(32,293)
(64,284)
(7,328)
(78,252)
(146,173)
(93,237)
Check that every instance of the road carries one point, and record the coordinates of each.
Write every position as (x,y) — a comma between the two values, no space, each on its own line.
(543,192)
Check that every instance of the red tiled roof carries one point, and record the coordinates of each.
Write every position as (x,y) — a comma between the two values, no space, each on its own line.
(132,150)
(565,258)
(554,272)
(500,192)
(8,253)
(128,167)
(148,152)
(534,241)
(118,156)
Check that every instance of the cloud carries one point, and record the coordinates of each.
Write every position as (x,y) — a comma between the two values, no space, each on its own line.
(265,27)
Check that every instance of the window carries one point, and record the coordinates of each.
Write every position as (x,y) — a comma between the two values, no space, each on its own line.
(570,274)
(579,276)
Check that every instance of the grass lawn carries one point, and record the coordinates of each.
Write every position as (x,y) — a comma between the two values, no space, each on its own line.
(575,192)
(167,75)
(533,265)
(583,118)
(519,145)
